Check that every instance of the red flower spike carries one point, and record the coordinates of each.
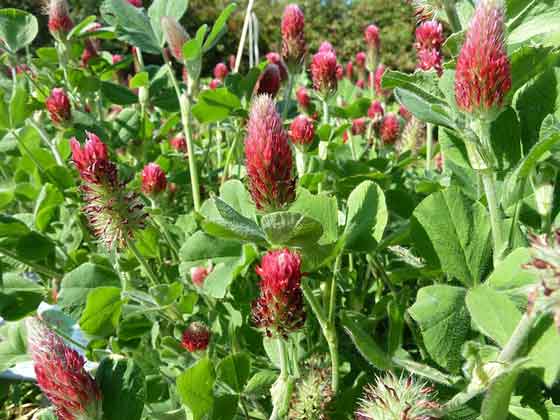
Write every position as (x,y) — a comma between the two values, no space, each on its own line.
(153,179)
(179,143)
(279,309)
(269,81)
(220,71)
(58,106)
(390,129)
(196,337)
(175,35)
(61,375)
(60,23)
(358,126)
(376,111)
(483,76)
(92,161)
(429,35)
(361,59)
(302,97)
(302,130)
(371,36)
(293,36)
(326,47)
(324,72)
(268,156)
(275,58)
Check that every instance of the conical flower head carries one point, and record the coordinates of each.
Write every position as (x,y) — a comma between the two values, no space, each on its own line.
(392,398)
(275,58)
(113,213)
(303,98)
(58,106)
(302,130)
(196,337)
(153,179)
(390,129)
(483,76)
(325,47)
(361,59)
(269,81)
(136,3)
(376,111)
(279,309)
(358,126)
(373,43)
(412,137)
(324,72)
(293,36)
(268,156)
(60,22)
(429,35)
(220,71)
(175,35)
(61,375)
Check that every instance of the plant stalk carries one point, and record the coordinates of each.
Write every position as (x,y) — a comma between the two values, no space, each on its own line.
(152,277)
(489,184)
(429,146)
(287,95)
(518,338)
(47,141)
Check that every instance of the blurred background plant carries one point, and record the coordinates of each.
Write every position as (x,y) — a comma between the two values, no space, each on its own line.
(339,21)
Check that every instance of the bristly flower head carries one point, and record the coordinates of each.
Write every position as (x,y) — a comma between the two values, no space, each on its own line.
(220,71)
(373,43)
(412,137)
(324,72)
(60,22)
(196,337)
(302,130)
(302,97)
(361,59)
(113,213)
(153,179)
(483,76)
(58,106)
(358,126)
(312,397)
(279,309)
(268,156)
(61,375)
(429,39)
(175,35)
(390,129)
(392,398)
(269,81)
(293,36)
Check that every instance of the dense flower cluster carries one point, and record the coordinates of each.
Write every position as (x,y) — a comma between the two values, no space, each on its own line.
(312,398)
(196,337)
(412,137)
(429,39)
(483,76)
(302,130)
(269,81)
(60,22)
(324,68)
(373,43)
(397,398)
(58,105)
(153,179)
(279,309)
(112,212)
(390,129)
(293,36)
(61,375)
(268,156)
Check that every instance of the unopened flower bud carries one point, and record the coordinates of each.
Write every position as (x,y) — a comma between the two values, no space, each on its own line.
(136,3)
(60,22)
(303,98)
(376,111)
(358,126)
(214,84)
(199,274)
(220,71)
(153,179)
(275,58)
(324,73)
(175,35)
(373,43)
(349,70)
(179,143)
(390,129)
(293,37)
(58,106)
(269,81)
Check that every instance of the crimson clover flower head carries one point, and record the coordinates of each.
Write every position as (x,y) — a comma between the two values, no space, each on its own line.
(313,397)
(429,34)
(220,71)
(412,138)
(268,157)
(302,130)
(175,35)
(61,375)
(349,70)
(178,143)
(361,59)
(214,84)
(325,47)
(269,81)
(199,274)
(390,129)
(60,23)
(324,72)
(58,105)
(293,36)
(376,111)
(279,309)
(153,179)
(378,76)
(302,97)
(92,160)
(397,398)
(483,74)
(275,58)
(136,3)
(196,337)
(371,36)
(358,126)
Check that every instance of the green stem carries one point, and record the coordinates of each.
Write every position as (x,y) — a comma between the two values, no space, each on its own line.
(281,407)
(31,264)
(185,105)
(287,95)
(452,16)
(315,306)
(46,139)
(151,276)
(429,146)
(371,84)
(489,184)
(229,158)
(518,338)
(300,162)
(332,341)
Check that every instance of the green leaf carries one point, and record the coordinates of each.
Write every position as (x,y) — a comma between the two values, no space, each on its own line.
(162,8)
(123,387)
(19,109)
(510,273)
(459,230)
(236,195)
(215,105)
(219,28)
(363,341)
(118,94)
(425,109)
(443,318)
(260,382)
(539,25)
(544,345)
(202,247)
(492,313)
(321,207)
(102,312)
(81,27)
(195,388)
(139,80)
(529,61)
(13,344)
(367,217)
(46,206)
(19,296)
(234,370)
(4,115)
(291,229)
(18,29)
(77,284)
(495,405)
(224,222)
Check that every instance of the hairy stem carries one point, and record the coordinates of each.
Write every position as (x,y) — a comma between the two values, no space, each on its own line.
(518,338)
(429,146)
(489,184)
